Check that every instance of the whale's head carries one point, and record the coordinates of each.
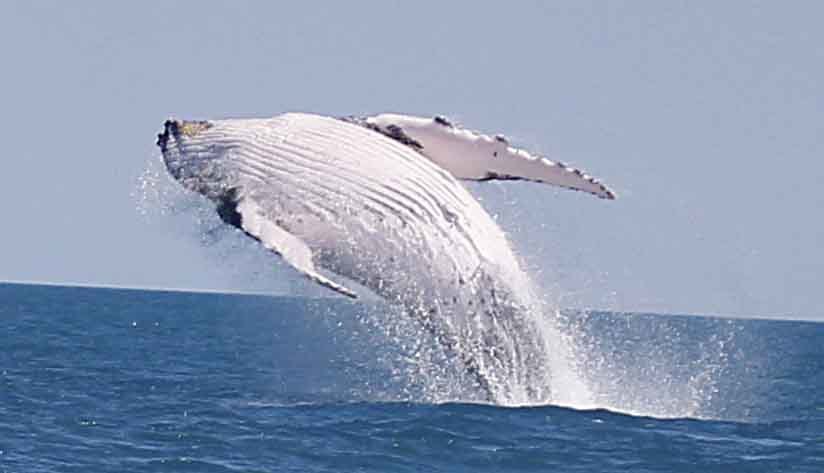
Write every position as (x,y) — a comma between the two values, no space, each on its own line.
(174,131)
(194,155)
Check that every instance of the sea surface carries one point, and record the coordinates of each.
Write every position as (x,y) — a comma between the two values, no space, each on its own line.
(113,380)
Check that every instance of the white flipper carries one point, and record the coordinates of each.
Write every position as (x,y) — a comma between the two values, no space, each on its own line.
(293,250)
(470,155)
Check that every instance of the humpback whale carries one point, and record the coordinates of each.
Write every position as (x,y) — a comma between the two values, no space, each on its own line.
(375,204)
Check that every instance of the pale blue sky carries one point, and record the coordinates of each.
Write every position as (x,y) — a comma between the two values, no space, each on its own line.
(706,117)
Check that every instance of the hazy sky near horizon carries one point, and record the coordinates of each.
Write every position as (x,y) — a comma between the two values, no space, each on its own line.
(707,118)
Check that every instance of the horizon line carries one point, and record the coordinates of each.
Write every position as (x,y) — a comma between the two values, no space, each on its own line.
(228,292)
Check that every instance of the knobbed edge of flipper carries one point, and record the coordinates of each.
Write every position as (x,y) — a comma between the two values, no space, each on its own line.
(472,155)
(602,192)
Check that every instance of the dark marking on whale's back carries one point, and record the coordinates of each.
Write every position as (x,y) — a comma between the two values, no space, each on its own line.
(392,131)
(396,133)
(443,121)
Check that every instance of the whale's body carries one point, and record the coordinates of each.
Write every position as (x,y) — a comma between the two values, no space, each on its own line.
(346,202)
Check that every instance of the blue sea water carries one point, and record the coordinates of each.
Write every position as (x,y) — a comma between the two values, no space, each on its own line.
(111,380)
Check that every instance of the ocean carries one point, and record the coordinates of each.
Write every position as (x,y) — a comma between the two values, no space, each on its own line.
(116,380)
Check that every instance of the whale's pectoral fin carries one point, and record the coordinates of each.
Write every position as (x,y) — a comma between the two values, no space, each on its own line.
(474,156)
(293,250)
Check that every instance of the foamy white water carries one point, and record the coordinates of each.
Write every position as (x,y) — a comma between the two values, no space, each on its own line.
(357,213)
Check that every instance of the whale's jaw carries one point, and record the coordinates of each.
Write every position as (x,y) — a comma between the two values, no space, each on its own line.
(193,159)
(169,142)
(170,128)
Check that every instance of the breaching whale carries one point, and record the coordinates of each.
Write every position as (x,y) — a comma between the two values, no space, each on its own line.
(375,202)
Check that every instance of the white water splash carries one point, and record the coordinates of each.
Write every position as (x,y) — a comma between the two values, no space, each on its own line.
(653,365)
(414,235)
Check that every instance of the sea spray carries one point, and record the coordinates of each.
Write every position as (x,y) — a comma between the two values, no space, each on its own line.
(408,233)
